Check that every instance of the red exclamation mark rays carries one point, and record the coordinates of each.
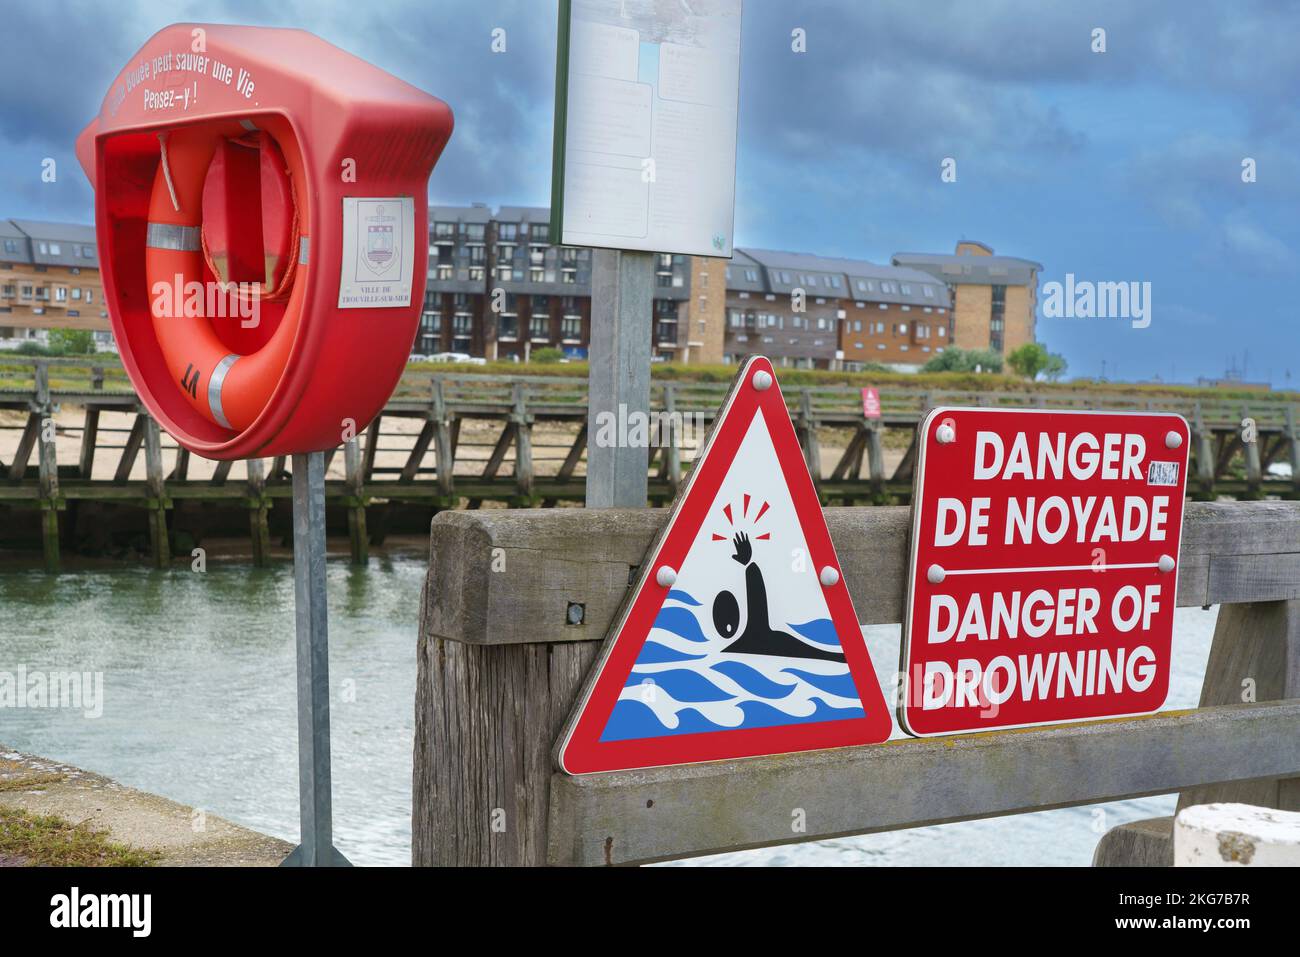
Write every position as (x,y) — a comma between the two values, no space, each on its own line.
(746,499)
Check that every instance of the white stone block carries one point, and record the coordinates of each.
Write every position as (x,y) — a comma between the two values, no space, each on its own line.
(1236,835)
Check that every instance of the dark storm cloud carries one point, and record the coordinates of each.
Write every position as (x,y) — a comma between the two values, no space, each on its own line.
(1122,165)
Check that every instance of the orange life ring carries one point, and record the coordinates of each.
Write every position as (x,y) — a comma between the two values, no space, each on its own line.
(225,372)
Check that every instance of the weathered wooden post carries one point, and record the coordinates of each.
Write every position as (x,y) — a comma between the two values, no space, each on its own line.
(523,428)
(89,436)
(443,449)
(1250,449)
(157,502)
(1254,656)
(1205,459)
(876,459)
(1293,448)
(807,427)
(355,501)
(131,448)
(672,450)
(258,504)
(43,413)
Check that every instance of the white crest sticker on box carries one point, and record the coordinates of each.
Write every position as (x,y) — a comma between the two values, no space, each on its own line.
(378,252)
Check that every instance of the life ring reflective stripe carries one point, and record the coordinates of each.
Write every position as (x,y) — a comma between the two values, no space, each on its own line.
(229,389)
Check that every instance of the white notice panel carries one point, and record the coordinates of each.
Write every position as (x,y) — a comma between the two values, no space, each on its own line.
(649,132)
(378,252)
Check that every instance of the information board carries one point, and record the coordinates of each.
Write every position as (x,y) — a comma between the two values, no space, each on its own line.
(645,125)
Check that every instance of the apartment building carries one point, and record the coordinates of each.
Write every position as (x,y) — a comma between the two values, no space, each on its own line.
(49,278)
(818,312)
(995,298)
(498,288)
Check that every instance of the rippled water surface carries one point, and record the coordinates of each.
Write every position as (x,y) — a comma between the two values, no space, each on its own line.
(199,706)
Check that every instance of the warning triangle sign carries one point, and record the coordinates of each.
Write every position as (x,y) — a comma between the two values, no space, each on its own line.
(739,637)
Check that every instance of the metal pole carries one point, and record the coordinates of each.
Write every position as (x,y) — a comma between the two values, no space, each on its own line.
(622,294)
(311,618)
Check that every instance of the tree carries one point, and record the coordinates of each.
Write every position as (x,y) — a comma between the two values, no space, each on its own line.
(964,360)
(546,355)
(1031,359)
(72,342)
(1055,367)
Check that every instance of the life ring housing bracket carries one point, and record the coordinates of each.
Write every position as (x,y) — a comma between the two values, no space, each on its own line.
(353,139)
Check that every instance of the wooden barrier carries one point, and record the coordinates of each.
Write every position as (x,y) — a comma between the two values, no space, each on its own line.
(521,440)
(515,606)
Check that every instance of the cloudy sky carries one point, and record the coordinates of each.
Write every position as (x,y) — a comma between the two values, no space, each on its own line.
(1117,166)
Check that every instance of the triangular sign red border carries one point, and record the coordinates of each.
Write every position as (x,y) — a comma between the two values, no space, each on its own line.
(580,749)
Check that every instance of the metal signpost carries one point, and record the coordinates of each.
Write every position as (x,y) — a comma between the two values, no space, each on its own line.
(644,163)
(311,624)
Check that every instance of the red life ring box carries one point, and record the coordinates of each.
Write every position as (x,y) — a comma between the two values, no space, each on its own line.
(261,204)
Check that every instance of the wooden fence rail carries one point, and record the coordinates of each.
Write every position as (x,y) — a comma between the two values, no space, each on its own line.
(515,606)
(450,438)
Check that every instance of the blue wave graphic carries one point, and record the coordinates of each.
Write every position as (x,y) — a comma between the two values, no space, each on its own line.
(681,684)
(653,653)
(685,682)
(753,681)
(820,630)
(632,719)
(841,685)
(680,622)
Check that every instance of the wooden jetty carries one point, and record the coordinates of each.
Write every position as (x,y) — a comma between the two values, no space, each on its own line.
(516,605)
(455,439)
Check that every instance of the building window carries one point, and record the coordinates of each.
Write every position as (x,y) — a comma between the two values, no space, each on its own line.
(571,328)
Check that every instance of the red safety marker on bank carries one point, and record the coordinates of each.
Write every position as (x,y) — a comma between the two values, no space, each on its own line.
(739,637)
(1044,567)
(261,207)
(871,402)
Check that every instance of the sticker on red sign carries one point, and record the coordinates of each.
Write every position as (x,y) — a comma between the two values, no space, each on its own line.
(1044,567)
(739,638)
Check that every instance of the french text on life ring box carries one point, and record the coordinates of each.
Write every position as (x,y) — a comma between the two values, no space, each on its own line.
(378,252)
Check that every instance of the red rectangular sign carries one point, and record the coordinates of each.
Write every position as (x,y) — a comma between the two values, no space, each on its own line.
(870,403)
(1044,567)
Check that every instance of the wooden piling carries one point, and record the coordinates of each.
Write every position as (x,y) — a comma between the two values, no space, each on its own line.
(157,503)
(443,449)
(258,505)
(355,502)
(48,465)
(806,426)
(89,438)
(523,428)
(1293,449)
